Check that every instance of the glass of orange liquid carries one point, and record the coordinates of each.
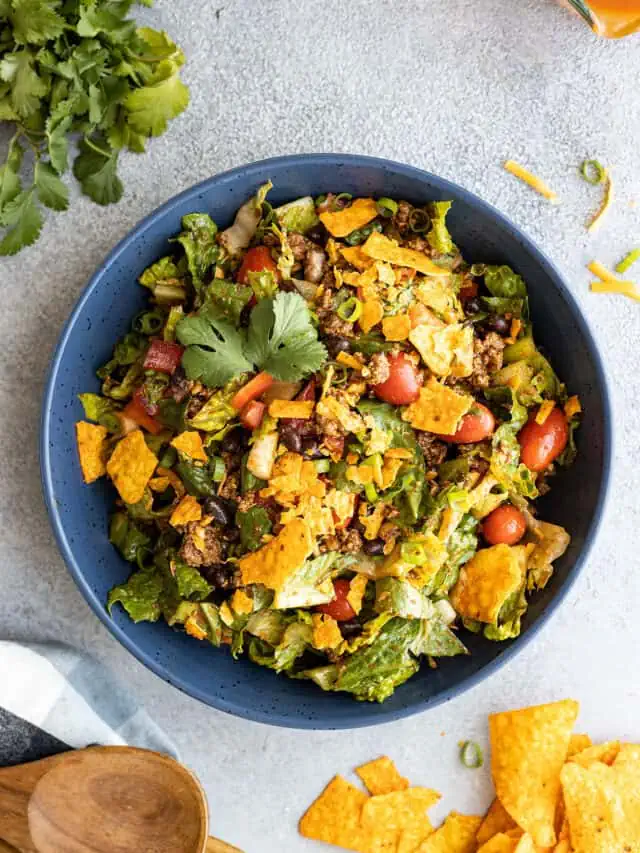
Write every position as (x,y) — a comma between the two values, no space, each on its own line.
(610,18)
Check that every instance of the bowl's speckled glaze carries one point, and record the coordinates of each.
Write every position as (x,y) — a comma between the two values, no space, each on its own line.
(79,514)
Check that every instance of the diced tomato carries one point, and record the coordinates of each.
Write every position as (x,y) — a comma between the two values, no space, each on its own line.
(469,289)
(254,388)
(540,444)
(477,425)
(136,410)
(403,385)
(339,609)
(163,356)
(257,259)
(505,525)
(252,414)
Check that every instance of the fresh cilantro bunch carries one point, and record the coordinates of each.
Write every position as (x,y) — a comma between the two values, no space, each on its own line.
(78,67)
(280,340)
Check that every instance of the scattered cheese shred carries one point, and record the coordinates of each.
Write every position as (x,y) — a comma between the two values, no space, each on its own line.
(597,218)
(572,406)
(532,180)
(609,283)
(544,411)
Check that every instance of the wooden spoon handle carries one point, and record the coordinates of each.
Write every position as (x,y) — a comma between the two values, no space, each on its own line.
(214,845)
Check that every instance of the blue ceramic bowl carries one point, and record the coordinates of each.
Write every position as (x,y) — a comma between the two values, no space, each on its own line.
(79,513)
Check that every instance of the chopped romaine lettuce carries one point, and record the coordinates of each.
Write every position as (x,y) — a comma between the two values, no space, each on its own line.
(190,583)
(253,524)
(140,595)
(511,612)
(437,640)
(225,300)
(198,239)
(128,538)
(101,410)
(439,237)
(310,585)
(218,412)
(263,284)
(299,215)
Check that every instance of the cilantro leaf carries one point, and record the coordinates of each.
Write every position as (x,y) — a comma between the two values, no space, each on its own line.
(151,107)
(27,88)
(52,192)
(23,217)
(282,339)
(57,143)
(10,184)
(97,172)
(215,350)
(35,21)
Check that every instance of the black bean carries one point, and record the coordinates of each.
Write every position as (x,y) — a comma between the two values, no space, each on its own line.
(336,344)
(472,306)
(373,548)
(356,524)
(350,629)
(318,234)
(222,510)
(497,323)
(291,438)
(235,440)
(220,576)
(232,535)
(310,447)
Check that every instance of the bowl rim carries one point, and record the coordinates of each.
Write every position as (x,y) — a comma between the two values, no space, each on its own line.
(346,720)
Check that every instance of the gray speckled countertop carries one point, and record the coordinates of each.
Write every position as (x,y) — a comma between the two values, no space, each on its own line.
(452,87)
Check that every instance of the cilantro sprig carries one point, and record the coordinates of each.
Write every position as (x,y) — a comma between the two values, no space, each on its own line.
(77,70)
(281,340)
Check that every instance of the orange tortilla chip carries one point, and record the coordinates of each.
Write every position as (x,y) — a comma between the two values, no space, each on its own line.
(402,813)
(605,753)
(456,835)
(159,484)
(241,602)
(577,743)
(276,561)
(349,361)
(302,409)
(187,510)
(496,820)
(381,776)
(91,440)
(326,633)
(372,314)
(396,328)
(528,750)
(357,589)
(438,409)
(490,577)
(335,817)
(190,444)
(341,223)
(356,257)
(381,248)
(500,843)
(131,466)
(594,809)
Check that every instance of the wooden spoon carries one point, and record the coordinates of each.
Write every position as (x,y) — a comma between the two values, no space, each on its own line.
(104,800)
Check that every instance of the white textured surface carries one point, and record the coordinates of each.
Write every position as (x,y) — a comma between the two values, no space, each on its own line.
(455,88)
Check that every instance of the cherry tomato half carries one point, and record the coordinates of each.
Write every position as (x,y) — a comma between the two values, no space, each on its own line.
(505,525)
(402,386)
(257,259)
(476,425)
(339,609)
(540,444)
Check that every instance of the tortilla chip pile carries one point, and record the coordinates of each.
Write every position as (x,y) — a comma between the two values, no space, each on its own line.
(556,792)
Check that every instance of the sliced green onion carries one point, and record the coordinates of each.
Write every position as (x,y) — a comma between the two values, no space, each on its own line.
(593,172)
(370,492)
(628,261)
(471,755)
(478,269)
(414,553)
(149,322)
(418,220)
(387,206)
(218,469)
(323,466)
(341,200)
(320,199)
(350,310)
(360,235)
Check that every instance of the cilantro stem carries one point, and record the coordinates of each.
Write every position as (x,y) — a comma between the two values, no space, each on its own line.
(97,148)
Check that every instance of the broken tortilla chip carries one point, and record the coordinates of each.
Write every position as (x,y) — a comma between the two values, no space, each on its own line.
(372,314)
(577,743)
(91,440)
(276,561)
(593,808)
(187,510)
(528,750)
(381,776)
(605,753)
(190,443)
(487,580)
(131,466)
(326,633)
(497,819)
(340,223)
(356,257)
(301,409)
(402,813)
(335,817)
(456,835)
(381,248)
(397,327)
(438,409)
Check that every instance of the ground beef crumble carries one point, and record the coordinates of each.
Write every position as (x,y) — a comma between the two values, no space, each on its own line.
(230,487)
(213,547)
(487,358)
(378,369)
(433,448)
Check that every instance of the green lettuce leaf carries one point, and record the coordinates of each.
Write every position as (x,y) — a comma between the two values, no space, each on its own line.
(310,585)
(127,537)
(190,583)
(100,410)
(198,239)
(506,466)
(140,595)
(508,624)
(295,641)
(298,215)
(263,284)
(253,524)
(217,413)
(400,598)
(437,640)
(225,300)
(439,237)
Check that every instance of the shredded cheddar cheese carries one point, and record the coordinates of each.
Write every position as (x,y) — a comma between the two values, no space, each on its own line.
(597,218)
(544,411)
(610,284)
(532,180)
(572,406)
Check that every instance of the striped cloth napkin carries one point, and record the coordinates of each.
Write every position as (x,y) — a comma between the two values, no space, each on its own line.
(54,698)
